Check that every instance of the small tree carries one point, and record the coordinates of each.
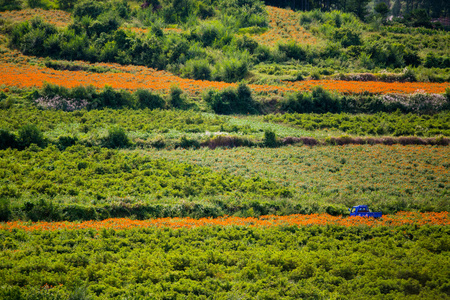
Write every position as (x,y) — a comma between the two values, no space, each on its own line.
(270,139)
(147,99)
(116,138)
(30,134)
(381,9)
(7,139)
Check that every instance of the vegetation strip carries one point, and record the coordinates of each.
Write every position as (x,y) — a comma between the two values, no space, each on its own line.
(26,76)
(399,219)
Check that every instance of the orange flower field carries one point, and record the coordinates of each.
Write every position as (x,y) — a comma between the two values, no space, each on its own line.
(283,28)
(132,78)
(59,18)
(401,218)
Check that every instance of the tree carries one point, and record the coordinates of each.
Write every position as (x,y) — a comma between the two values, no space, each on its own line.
(381,9)
(396,8)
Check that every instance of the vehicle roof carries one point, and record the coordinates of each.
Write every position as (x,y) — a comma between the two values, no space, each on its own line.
(360,206)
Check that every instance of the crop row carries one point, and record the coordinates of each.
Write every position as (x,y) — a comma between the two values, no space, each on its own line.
(283,262)
(389,178)
(85,183)
(377,124)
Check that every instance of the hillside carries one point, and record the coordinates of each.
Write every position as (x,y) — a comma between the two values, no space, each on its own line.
(210,149)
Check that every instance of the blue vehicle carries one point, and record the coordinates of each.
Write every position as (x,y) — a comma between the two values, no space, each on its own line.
(363,211)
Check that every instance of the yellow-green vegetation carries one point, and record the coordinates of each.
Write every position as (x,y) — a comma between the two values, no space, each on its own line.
(226,262)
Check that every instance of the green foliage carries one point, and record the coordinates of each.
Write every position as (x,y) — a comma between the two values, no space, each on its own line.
(231,101)
(106,97)
(87,8)
(324,101)
(95,36)
(105,176)
(177,98)
(270,139)
(303,262)
(378,124)
(7,139)
(10,5)
(347,37)
(116,138)
(293,50)
(30,134)
(381,9)
(5,211)
(147,99)
(231,70)
(66,141)
(197,69)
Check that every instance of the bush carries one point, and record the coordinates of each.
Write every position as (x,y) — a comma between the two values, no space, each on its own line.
(188,143)
(5,211)
(297,102)
(110,97)
(347,37)
(230,101)
(116,138)
(7,139)
(177,98)
(10,5)
(324,101)
(228,142)
(30,134)
(197,69)
(293,50)
(270,139)
(66,141)
(231,70)
(147,99)
(87,8)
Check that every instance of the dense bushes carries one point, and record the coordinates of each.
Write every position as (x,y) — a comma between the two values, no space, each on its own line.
(116,138)
(95,173)
(378,124)
(58,97)
(323,101)
(231,101)
(267,263)
(95,36)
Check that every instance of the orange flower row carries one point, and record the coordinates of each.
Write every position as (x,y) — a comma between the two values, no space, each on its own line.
(137,77)
(399,219)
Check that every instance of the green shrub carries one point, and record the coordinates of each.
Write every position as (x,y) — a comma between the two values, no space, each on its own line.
(347,37)
(10,5)
(110,97)
(116,138)
(177,98)
(198,69)
(7,139)
(324,101)
(30,134)
(297,102)
(293,50)
(66,141)
(5,211)
(147,99)
(270,139)
(231,70)
(88,8)
(66,4)
(189,143)
(230,101)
